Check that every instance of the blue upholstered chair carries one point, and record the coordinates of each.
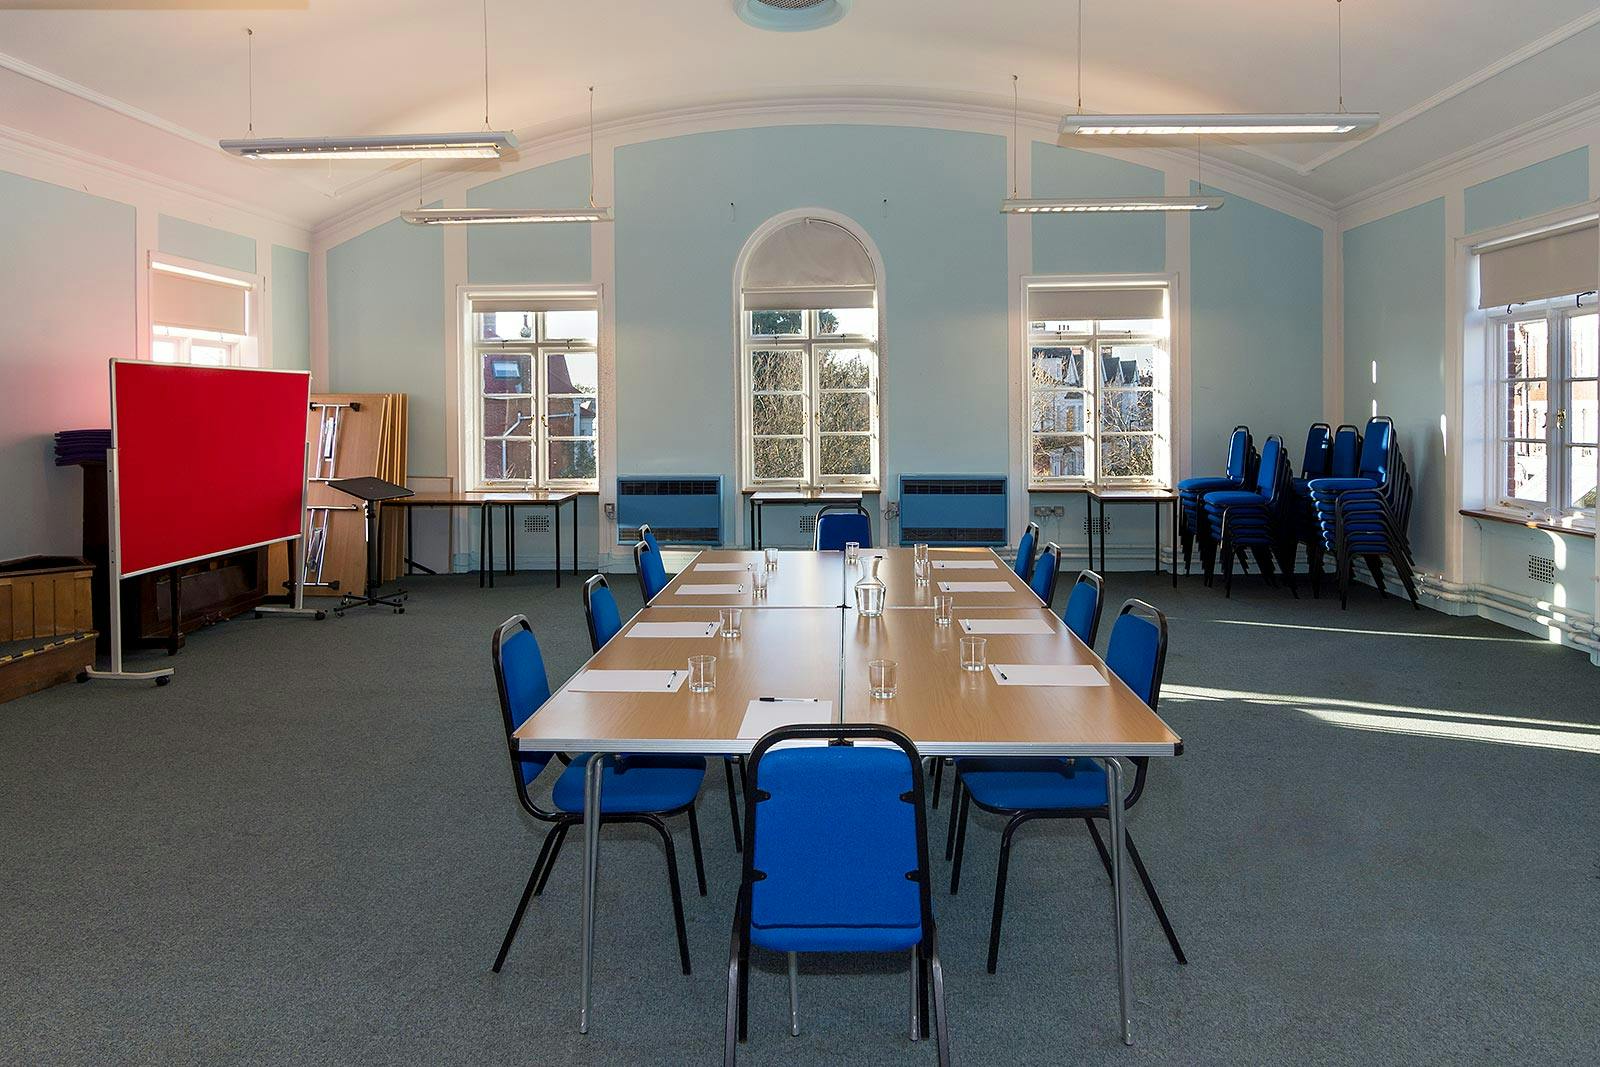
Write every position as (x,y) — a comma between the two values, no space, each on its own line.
(1192,491)
(652,574)
(1027,789)
(648,536)
(1026,549)
(1260,519)
(1045,573)
(1082,613)
(1368,515)
(650,789)
(839,524)
(835,860)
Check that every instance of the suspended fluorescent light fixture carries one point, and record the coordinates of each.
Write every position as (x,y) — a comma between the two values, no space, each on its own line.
(494,216)
(488,145)
(1096,204)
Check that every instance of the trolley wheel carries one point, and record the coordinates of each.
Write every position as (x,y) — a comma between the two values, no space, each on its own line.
(319,616)
(164,679)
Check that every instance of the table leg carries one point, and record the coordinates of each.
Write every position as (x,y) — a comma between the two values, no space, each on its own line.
(1088,525)
(483,540)
(760,511)
(1102,537)
(410,566)
(488,526)
(511,538)
(592,777)
(1119,903)
(557,510)
(1175,521)
(575,534)
(1158,536)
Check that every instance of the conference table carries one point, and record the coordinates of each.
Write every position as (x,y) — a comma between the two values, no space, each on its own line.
(804,639)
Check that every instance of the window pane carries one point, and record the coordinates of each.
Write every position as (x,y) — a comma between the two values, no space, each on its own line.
(1527,409)
(572,326)
(164,351)
(777,323)
(1058,457)
(507,461)
(780,371)
(780,414)
(502,418)
(207,355)
(505,325)
(507,373)
(1058,413)
(845,411)
(851,322)
(1527,470)
(1127,457)
(572,372)
(1157,327)
(572,459)
(780,457)
(1058,365)
(1584,414)
(570,416)
(1061,326)
(1127,411)
(1134,364)
(846,455)
(845,368)
(1526,344)
(1585,346)
(1581,463)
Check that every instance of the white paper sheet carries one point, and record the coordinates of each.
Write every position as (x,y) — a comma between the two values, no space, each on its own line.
(975,587)
(674,629)
(761,717)
(964,564)
(721,566)
(1046,674)
(1006,626)
(709,590)
(629,681)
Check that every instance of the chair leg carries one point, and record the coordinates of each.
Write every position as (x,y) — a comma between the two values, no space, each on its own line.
(522,905)
(1000,892)
(941,1023)
(794,995)
(694,841)
(1227,569)
(730,1034)
(733,805)
(1155,899)
(938,780)
(744,982)
(1375,567)
(560,835)
(1100,845)
(672,881)
(1406,577)
(959,813)
(950,831)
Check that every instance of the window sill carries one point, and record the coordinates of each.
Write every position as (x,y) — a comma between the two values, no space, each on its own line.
(1572,527)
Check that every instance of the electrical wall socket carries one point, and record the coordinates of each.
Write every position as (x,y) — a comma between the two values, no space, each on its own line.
(1058,510)
(1041,512)
(1045,511)
(891,510)
(611,509)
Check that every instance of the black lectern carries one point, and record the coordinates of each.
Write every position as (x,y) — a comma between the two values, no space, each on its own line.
(372,491)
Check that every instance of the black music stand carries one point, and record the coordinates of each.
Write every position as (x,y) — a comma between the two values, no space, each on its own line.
(371,491)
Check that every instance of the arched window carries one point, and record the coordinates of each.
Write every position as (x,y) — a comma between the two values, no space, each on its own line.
(809,334)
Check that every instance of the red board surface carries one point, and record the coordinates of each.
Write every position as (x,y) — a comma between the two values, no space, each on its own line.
(209,460)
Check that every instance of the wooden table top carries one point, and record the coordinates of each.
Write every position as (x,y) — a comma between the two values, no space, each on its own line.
(802,580)
(820,496)
(948,711)
(902,591)
(488,496)
(1131,493)
(792,653)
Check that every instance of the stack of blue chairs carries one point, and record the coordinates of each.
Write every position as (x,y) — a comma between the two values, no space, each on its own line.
(1192,491)
(1368,515)
(1257,519)
(1340,457)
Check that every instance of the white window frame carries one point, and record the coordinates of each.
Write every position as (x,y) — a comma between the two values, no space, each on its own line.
(1557,313)
(244,350)
(537,348)
(1164,415)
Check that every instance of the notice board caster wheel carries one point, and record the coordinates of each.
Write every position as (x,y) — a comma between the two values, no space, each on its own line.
(163,680)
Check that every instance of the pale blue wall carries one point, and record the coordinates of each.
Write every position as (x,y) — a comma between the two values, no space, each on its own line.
(67,280)
(516,255)
(386,328)
(1544,186)
(1394,313)
(191,240)
(943,243)
(1095,244)
(291,308)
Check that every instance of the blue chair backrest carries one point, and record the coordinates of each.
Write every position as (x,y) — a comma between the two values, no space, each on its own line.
(524,687)
(652,575)
(835,832)
(1375,449)
(1316,458)
(648,536)
(1271,462)
(605,620)
(1026,548)
(1137,651)
(1239,454)
(1346,458)
(1043,582)
(1082,613)
(835,529)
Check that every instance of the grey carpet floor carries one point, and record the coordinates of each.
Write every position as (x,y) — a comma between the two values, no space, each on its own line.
(305,850)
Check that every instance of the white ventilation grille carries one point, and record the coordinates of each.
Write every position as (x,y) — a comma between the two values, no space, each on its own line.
(1542,569)
(786,16)
(791,5)
(536,524)
(808,524)
(1100,525)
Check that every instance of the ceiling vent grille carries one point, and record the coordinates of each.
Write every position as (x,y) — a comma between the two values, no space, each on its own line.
(788,16)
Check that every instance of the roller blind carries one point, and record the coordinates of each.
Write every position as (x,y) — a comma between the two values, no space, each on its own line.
(809,264)
(192,303)
(1550,264)
(1075,304)
(533,304)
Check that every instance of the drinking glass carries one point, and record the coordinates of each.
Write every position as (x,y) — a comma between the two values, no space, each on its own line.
(702,674)
(944,606)
(919,567)
(758,581)
(974,654)
(881,678)
(919,552)
(730,621)
(772,559)
(852,552)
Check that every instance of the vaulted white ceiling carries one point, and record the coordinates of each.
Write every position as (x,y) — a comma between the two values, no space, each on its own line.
(1446,74)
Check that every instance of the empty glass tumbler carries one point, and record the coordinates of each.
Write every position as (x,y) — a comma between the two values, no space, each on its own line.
(944,607)
(702,674)
(974,653)
(730,618)
(881,678)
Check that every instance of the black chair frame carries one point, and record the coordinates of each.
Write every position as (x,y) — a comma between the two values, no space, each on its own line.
(1281,530)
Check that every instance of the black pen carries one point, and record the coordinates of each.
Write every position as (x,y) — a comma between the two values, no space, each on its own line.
(1002,674)
(789,700)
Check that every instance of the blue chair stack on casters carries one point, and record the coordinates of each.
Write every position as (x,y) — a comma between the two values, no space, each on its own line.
(605,622)
(1191,492)
(839,524)
(1046,572)
(1369,515)
(1082,613)
(1257,520)
(652,574)
(860,886)
(1026,547)
(649,789)
(1026,789)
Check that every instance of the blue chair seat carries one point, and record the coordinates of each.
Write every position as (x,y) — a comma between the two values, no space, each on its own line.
(1341,485)
(864,938)
(646,783)
(1218,501)
(1206,484)
(1032,784)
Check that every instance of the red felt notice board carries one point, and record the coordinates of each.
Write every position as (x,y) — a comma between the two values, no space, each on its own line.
(209,460)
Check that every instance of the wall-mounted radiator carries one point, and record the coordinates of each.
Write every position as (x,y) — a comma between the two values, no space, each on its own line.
(679,510)
(952,509)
